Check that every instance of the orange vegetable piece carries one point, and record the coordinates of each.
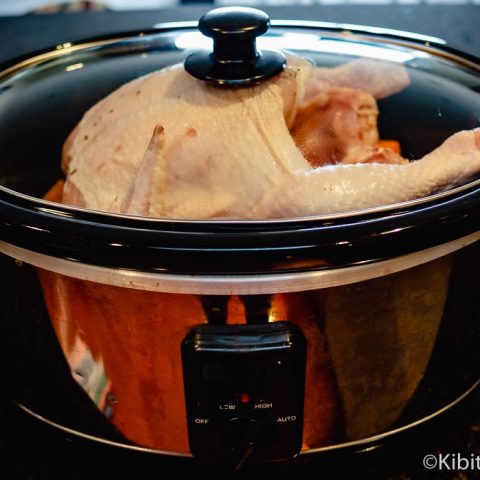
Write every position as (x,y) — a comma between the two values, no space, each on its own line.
(391,144)
(56,191)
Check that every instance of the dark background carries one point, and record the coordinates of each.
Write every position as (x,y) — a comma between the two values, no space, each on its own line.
(30,450)
(458,25)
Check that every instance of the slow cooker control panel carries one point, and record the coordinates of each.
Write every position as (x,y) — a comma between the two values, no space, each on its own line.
(244,391)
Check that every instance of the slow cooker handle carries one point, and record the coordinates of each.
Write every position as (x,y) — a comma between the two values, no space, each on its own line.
(235,60)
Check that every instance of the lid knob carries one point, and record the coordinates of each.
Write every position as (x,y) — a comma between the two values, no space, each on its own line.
(235,60)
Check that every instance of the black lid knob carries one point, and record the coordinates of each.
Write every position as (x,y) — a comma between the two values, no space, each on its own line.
(235,60)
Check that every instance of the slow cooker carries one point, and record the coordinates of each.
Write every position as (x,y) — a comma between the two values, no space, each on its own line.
(237,342)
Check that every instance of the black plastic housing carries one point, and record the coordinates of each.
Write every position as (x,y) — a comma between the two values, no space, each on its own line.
(244,391)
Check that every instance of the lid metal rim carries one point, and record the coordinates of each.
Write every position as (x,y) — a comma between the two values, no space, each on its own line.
(234,284)
(59,209)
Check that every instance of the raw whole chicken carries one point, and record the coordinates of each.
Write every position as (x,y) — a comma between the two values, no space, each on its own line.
(303,143)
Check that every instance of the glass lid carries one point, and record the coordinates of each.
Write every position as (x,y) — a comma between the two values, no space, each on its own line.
(363,132)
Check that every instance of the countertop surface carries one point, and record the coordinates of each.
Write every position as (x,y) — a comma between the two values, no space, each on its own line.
(36,453)
(457,25)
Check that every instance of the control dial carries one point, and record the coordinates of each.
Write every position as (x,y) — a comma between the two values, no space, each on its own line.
(242,432)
